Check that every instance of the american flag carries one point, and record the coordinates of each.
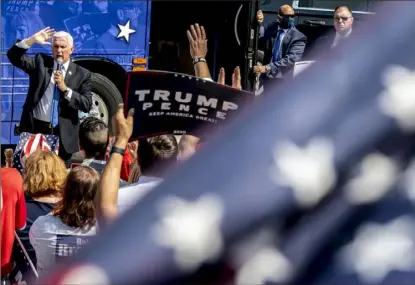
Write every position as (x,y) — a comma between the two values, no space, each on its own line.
(312,185)
(28,143)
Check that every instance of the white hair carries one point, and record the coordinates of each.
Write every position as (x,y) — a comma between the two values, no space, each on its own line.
(63,34)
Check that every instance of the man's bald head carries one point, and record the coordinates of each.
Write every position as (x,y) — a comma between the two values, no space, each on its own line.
(286,10)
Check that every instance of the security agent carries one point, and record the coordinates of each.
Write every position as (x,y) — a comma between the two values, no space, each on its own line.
(282,43)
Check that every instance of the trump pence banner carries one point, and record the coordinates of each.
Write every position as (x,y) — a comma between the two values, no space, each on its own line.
(172,103)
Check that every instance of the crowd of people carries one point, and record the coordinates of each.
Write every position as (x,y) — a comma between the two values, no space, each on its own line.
(54,207)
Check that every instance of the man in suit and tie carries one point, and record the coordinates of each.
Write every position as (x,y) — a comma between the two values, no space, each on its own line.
(343,26)
(58,89)
(282,43)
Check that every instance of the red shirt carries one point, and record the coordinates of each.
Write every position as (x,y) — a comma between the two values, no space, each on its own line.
(13,214)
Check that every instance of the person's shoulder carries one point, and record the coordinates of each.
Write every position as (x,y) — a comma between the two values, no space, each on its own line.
(42,222)
(133,192)
(297,34)
(47,58)
(82,70)
(49,218)
(9,171)
(10,176)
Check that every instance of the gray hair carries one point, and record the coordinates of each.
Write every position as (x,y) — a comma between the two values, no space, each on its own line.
(63,34)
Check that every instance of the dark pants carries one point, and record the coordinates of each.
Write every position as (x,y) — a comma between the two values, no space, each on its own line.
(46,129)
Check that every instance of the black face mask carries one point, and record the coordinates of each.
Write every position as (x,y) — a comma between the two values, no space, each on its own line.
(286,22)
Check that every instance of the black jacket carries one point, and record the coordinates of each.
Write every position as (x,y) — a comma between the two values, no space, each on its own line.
(40,68)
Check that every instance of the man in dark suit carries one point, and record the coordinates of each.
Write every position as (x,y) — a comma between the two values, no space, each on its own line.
(343,26)
(55,96)
(282,43)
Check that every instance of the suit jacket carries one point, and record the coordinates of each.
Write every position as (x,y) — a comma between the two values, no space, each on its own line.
(292,48)
(323,44)
(40,68)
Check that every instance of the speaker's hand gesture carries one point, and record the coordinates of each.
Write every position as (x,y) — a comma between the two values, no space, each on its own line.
(43,36)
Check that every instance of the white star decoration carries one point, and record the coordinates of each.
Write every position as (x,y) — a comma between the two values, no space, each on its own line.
(398,99)
(191,229)
(309,171)
(378,173)
(268,264)
(379,249)
(125,31)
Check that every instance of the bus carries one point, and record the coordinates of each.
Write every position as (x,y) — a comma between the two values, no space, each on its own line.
(99,47)
(158,40)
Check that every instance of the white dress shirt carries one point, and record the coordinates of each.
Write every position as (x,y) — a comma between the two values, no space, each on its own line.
(340,37)
(43,109)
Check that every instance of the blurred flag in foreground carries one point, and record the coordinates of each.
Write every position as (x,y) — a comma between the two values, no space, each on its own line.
(313,186)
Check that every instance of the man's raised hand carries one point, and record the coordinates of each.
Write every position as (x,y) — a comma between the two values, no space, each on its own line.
(197,41)
(43,36)
(122,126)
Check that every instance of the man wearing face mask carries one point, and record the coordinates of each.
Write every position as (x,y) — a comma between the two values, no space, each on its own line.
(282,43)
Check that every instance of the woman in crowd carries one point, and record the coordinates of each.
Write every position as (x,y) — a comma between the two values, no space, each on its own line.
(44,176)
(71,224)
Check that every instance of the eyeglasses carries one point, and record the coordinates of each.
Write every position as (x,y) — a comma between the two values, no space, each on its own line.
(344,19)
(286,16)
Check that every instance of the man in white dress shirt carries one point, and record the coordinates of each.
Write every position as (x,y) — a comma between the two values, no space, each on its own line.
(55,96)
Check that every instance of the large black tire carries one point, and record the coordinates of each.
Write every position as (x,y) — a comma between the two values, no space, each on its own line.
(106,90)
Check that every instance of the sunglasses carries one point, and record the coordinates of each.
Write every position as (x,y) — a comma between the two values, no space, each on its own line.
(286,16)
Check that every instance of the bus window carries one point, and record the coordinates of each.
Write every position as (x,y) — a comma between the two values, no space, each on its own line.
(360,5)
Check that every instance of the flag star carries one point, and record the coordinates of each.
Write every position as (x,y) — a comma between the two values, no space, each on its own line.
(379,249)
(85,274)
(125,31)
(377,175)
(266,265)
(309,171)
(397,100)
(408,182)
(191,229)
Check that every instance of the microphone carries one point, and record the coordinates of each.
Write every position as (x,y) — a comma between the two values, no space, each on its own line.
(59,67)
(60,63)
(56,94)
